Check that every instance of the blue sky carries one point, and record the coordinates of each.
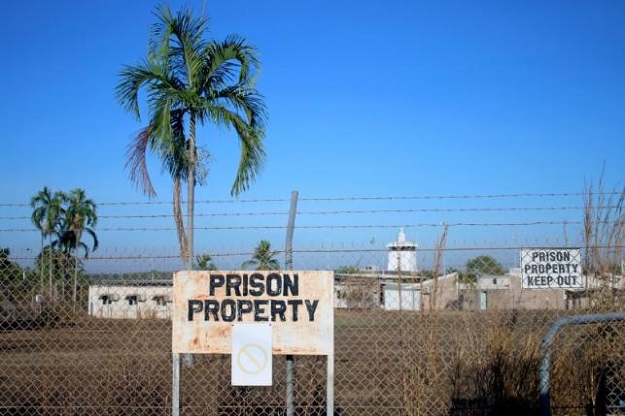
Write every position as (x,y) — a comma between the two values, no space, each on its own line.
(365,98)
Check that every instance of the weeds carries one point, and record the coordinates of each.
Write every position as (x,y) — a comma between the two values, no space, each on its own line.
(604,236)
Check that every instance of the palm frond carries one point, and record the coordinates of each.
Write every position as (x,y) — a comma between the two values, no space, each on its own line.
(94,237)
(252,153)
(175,40)
(244,100)
(133,78)
(251,159)
(136,163)
(174,153)
(230,61)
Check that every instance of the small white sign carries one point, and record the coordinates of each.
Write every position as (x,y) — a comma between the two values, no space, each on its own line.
(551,268)
(252,359)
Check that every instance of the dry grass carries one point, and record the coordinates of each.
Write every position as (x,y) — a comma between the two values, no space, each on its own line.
(387,363)
(604,238)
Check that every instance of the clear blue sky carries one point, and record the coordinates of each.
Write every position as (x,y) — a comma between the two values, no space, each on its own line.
(365,98)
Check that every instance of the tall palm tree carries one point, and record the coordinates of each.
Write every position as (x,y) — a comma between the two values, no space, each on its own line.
(263,257)
(47,213)
(64,218)
(189,80)
(80,217)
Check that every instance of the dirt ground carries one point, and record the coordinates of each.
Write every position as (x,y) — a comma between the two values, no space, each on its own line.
(386,363)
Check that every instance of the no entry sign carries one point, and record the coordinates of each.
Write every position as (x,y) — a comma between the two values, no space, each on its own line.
(251,355)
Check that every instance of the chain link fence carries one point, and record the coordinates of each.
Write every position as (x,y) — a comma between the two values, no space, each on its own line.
(439,326)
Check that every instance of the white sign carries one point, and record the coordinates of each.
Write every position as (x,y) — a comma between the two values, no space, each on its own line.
(551,268)
(251,355)
(298,305)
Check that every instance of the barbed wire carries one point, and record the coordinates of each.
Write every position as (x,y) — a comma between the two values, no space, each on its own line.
(329,250)
(334,227)
(352,198)
(341,212)
(473,196)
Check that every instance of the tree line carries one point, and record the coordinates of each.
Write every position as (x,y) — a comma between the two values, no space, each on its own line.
(63,219)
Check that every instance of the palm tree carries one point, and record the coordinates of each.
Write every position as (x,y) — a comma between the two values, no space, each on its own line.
(205,262)
(263,257)
(80,216)
(64,218)
(189,80)
(47,210)
(47,213)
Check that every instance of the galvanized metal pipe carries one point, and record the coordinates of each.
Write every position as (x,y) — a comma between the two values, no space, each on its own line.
(545,348)
(175,390)
(288,265)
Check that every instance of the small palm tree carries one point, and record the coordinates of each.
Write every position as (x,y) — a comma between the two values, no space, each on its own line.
(205,262)
(263,258)
(191,81)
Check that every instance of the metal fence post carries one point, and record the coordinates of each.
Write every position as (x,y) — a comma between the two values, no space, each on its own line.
(175,391)
(288,265)
(330,386)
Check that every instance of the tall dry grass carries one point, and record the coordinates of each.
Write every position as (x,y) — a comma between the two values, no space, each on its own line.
(603,239)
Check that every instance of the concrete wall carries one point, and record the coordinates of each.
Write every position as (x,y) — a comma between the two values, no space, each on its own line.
(506,292)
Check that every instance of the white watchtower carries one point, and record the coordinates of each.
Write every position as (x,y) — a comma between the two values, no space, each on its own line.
(402,254)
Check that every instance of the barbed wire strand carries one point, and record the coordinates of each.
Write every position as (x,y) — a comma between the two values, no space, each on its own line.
(354,198)
(342,212)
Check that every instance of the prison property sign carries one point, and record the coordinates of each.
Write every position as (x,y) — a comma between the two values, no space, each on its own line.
(298,305)
(551,268)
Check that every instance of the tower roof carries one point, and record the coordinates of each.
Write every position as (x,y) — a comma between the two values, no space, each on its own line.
(401,241)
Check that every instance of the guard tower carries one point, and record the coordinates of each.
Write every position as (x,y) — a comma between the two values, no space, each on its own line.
(402,254)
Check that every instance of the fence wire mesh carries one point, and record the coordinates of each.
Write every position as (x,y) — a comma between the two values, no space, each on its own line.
(448,326)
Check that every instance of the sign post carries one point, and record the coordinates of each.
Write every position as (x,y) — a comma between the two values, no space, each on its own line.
(290,312)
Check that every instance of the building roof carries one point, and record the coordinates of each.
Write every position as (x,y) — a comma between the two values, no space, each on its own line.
(401,241)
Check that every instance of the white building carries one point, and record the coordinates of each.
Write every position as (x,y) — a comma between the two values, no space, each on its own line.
(404,297)
(131,301)
(402,254)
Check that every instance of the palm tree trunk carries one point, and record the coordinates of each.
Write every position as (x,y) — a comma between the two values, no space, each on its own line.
(52,294)
(182,239)
(75,289)
(41,267)
(190,194)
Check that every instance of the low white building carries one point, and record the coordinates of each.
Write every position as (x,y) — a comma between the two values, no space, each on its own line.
(131,300)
